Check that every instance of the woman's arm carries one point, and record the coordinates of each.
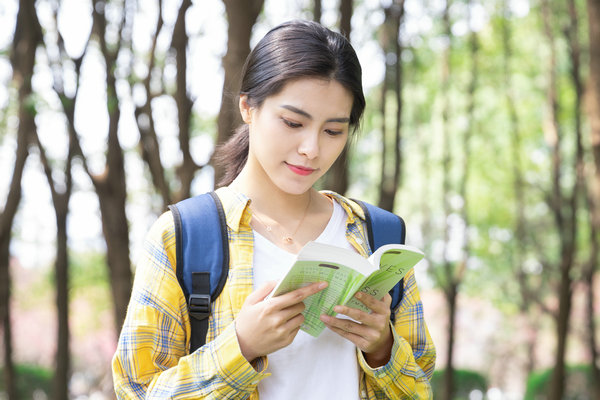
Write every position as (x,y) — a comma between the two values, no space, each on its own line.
(151,360)
(410,368)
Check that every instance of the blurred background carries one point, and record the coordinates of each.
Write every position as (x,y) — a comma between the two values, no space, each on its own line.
(482,130)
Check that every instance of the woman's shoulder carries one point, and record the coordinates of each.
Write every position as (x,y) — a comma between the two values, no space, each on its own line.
(350,205)
(162,233)
(162,225)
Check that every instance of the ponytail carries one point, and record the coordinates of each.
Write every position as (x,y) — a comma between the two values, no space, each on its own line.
(233,154)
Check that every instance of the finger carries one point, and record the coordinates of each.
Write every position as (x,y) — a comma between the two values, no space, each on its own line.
(348,329)
(289,312)
(261,293)
(356,314)
(298,295)
(293,324)
(377,306)
(344,324)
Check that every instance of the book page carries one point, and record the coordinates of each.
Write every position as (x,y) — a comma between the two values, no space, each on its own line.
(394,262)
(315,251)
(342,281)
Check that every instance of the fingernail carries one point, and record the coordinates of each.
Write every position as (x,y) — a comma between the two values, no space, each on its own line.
(322,285)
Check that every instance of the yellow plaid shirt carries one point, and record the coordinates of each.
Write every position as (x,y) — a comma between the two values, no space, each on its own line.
(152,360)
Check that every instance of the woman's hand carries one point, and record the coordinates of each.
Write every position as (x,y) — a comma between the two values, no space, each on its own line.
(371,333)
(264,326)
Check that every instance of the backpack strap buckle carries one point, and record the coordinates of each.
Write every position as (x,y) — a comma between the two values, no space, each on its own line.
(199,306)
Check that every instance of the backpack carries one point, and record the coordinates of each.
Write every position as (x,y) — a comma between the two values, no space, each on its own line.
(202,253)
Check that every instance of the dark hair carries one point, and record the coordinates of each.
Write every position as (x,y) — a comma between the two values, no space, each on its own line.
(292,50)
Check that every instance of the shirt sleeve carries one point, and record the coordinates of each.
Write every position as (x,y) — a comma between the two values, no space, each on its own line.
(408,373)
(152,360)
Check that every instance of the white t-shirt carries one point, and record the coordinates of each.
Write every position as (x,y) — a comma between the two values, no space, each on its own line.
(322,368)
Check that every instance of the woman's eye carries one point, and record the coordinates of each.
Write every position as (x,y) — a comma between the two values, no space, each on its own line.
(333,132)
(291,124)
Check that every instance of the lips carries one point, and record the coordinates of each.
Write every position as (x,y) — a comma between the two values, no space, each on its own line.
(300,170)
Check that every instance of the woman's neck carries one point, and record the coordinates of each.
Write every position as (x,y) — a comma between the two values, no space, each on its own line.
(268,199)
(288,220)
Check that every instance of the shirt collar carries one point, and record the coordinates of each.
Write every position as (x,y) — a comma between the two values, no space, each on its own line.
(352,208)
(236,206)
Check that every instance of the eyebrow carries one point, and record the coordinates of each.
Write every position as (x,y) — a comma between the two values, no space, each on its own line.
(307,115)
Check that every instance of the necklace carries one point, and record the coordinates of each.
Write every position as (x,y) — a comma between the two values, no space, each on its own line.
(286,238)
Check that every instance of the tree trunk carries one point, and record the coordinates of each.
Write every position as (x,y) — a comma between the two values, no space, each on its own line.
(386,33)
(241,15)
(450,287)
(556,388)
(451,292)
(593,11)
(466,145)
(61,208)
(346,10)
(589,275)
(112,193)
(557,385)
(519,193)
(150,150)
(336,178)
(9,368)
(461,268)
(187,170)
(425,139)
(317,11)
(149,144)
(61,264)
(110,186)
(564,206)
(27,37)
(398,85)
(593,8)
(62,373)
(391,44)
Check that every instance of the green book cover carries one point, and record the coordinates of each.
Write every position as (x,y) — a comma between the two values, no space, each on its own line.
(347,273)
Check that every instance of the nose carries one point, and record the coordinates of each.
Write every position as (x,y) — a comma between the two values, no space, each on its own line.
(309,144)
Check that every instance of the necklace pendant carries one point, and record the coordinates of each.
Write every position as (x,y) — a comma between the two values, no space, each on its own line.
(288,239)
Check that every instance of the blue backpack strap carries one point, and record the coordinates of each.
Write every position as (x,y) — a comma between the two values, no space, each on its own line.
(202,251)
(384,227)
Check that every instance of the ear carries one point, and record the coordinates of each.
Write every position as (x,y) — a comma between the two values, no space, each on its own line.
(245,109)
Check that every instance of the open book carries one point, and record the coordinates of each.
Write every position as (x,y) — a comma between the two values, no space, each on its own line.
(347,273)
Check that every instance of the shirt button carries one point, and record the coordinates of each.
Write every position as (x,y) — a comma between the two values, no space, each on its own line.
(359,241)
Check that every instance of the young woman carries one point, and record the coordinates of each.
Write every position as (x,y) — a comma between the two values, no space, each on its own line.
(301,97)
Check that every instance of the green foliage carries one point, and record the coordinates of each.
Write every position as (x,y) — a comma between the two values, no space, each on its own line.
(88,278)
(578,385)
(88,270)
(30,105)
(7,109)
(30,379)
(203,125)
(90,281)
(112,101)
(465,381)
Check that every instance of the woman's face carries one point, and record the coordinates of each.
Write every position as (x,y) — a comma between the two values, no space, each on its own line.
(297,134)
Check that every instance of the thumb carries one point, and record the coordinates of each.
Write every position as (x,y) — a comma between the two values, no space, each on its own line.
(261,293)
